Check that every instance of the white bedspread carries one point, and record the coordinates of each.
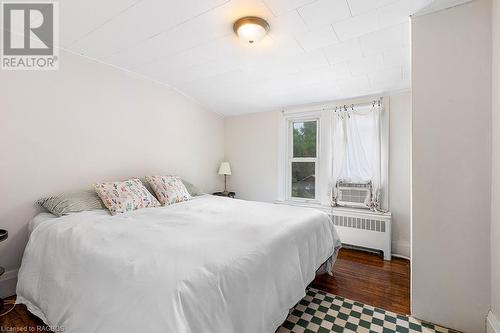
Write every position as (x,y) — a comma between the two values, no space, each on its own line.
(208,265)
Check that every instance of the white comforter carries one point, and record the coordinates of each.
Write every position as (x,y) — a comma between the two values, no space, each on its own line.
(208,265)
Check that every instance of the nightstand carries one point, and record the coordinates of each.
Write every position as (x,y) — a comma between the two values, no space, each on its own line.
(3,236)
(227,194)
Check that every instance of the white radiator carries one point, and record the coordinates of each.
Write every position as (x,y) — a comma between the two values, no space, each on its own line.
(364,229)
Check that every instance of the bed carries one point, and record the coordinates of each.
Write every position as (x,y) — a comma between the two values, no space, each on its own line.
(211,264)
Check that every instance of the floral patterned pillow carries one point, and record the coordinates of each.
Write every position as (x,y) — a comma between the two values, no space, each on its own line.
(168,189)
(121,197)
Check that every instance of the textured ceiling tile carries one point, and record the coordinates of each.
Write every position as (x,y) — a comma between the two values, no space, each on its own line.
(399,12)
(176,76)
(312,61)
(344,51)
(204,29)
(233,79)
(385,39)
(173,45)
(286,24)
(236,9)
(317,38)
(366,65)
(432,6)
(71,12)
(356,26)
(356,82)
(286,65)
(397,57)
(363,6)
(386,77)
(191,46)
(279,7)
(158,49)
(143,21)
(340,70)
(323,12)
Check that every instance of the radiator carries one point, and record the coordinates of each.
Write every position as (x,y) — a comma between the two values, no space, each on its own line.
(364,229)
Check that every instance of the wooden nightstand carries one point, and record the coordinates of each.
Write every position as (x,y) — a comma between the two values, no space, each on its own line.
(222,194)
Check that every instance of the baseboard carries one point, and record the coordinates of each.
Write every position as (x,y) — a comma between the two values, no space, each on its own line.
(401,249)
(492,323)
(401,256)
(8,282)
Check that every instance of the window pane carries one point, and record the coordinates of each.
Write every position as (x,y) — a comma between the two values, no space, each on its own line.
(304,139)
(303,179)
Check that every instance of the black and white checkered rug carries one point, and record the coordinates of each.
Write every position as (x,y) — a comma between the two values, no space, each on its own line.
(321,312)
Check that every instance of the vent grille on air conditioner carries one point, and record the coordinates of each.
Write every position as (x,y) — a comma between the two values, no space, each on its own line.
(359,223)
(352,194)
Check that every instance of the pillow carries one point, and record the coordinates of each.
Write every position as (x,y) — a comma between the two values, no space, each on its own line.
(63,204)
(168,189)
(193,190)
(121,197)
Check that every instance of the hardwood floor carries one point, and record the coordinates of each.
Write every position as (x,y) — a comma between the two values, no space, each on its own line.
(20,320)
(367,278)
(360,276)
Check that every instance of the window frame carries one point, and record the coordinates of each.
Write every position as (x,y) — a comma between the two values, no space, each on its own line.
(323,112)
(290,158)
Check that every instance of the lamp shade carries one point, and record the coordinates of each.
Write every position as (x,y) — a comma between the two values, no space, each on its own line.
(225,168)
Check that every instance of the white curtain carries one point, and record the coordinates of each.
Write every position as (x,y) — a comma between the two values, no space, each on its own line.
(356,150)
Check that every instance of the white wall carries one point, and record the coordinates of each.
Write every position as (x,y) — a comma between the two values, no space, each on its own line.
(63,130)
(399,171)
(451,73)
(495,183)
(251,145)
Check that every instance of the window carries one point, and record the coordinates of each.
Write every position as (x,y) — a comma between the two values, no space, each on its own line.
(303,158)
(356,143)
(333,155)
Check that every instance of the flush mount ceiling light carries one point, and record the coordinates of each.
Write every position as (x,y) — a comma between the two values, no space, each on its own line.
(251,29)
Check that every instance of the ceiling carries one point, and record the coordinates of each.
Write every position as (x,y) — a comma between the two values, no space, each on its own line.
(317,50)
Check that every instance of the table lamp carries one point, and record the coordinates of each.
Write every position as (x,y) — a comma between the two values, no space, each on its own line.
(225,169)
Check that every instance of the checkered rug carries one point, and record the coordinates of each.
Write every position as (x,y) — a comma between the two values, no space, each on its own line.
(321,312)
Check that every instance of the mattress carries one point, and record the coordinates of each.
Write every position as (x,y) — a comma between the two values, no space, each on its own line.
(211,264)
(43,217)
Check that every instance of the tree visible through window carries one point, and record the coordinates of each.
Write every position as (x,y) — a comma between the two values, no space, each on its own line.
(303,161)
(304,139)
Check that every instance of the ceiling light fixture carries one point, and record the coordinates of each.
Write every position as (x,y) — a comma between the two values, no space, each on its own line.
(251,29)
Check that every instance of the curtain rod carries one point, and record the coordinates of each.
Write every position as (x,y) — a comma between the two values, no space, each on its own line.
(344,107)
(350,107)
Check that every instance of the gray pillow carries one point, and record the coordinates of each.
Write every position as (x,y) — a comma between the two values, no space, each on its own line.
(193,190)
(63,204)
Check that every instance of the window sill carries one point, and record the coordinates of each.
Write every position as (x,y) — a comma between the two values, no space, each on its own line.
(329,209)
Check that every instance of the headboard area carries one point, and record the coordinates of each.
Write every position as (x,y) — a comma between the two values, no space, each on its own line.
(65,130)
